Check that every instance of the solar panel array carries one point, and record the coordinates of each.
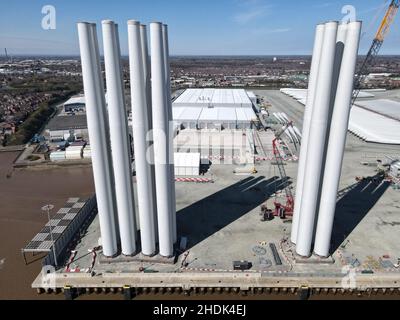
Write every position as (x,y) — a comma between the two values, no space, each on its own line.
(41,242)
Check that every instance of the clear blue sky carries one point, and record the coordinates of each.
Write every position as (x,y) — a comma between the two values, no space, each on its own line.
(207,27)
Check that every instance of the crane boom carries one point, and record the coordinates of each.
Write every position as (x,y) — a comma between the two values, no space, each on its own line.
(280,209)
(387,20)
(375,47)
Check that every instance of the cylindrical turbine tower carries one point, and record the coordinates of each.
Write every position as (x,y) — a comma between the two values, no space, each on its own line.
(317,137)
(95,113)
(312,83)
(337,141)
(140,126)
(146,70)
(160,136)
(150,150)
(119,138)
(170,130)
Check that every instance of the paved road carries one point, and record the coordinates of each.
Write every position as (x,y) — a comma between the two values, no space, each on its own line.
(282,103)
(294,111)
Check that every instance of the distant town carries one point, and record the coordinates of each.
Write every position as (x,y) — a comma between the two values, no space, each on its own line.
(31,87)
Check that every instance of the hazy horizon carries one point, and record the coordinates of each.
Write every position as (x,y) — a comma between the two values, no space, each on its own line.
(196,28)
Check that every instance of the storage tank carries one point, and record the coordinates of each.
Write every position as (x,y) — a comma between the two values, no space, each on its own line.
(57,156)
(73,152)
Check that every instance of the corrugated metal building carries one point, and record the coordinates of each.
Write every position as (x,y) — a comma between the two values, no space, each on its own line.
(75,104)
(384,107)
(62,126)
(214,109)
(211,97)
(188,118)
(371,120)
(373,127)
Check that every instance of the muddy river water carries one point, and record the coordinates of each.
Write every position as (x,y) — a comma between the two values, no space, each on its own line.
(22,194)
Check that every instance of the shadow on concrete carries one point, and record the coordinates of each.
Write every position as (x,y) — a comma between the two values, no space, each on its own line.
(354,206)
(209,215)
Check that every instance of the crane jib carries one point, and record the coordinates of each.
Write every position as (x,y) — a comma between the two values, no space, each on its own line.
(375,47)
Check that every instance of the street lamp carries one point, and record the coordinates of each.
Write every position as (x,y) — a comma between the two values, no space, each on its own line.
(47,208)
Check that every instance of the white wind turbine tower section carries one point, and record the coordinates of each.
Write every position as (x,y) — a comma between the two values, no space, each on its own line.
(150,154)
(170,130)
(337,141)
(146,70)
(312,83)
(119,138)
(96,119)
(160,136)
(140,126)
(317,137)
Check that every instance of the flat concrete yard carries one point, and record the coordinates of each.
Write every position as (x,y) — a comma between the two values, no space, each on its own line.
(221,222)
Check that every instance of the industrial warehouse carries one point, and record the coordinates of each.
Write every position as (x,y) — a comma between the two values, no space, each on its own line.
(228,195)
(215,109)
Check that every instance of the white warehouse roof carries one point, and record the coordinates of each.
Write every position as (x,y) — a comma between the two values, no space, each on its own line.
(250,115)
(79,99)
(301,94)
(193,116)
(382,106)
(373,127)
(189,114)
(227,114)
(209,114)
(177,111)
(75,100)
(367,124)
(214,108)
(213,97)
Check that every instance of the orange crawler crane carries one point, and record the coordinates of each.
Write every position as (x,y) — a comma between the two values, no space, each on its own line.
(375,47)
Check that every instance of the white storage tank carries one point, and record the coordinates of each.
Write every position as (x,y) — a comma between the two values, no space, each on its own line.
(87,152)
(57,156)
(73,153)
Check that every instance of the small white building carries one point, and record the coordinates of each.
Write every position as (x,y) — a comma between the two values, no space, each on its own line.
(187,164)
(75,104)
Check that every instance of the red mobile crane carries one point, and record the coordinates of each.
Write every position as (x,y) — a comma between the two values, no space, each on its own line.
(281,210)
